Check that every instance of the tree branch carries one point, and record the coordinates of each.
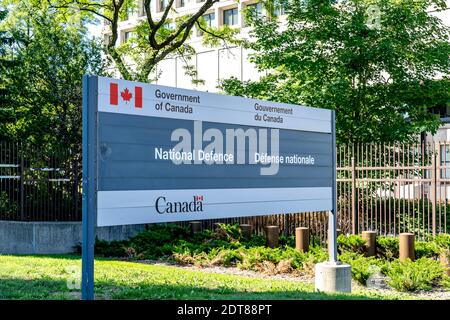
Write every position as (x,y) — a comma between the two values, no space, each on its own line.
(188,24)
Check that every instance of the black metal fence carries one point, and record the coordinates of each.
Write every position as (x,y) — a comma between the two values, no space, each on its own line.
(38,184)
(387,188)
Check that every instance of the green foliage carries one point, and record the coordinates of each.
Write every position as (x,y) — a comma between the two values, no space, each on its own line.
(256,258)
(52,56)
(7,61)
(387,247)
(426,249)
(442,241)
(362,267)
(111,249)
(287,241)
(351,243)
(380,79)
(422,274)
(8,208)
(231,231)
(228,257)
(446,282)
(255,241)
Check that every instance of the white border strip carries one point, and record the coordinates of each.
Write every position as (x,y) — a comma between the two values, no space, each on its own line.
(138,206)
(214,108)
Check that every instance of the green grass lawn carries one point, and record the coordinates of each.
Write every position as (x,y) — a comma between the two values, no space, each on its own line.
(46,277)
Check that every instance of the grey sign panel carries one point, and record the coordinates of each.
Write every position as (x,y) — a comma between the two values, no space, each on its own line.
(127,158)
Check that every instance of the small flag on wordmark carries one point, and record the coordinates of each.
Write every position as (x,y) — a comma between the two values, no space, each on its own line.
(125,94)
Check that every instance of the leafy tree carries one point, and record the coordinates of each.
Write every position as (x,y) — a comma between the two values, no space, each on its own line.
(54,54)
(381,64)
(6,92)
(154,39)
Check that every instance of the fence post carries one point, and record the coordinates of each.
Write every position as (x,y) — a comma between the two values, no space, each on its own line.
(286,225)
(355,217)
(22,188)
(434,178)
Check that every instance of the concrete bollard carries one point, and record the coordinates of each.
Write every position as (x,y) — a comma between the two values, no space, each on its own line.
(246,230)
(302,239)
(444,259)
(407,247)
(333,277)
(272,235)
(196,226)
(370,237)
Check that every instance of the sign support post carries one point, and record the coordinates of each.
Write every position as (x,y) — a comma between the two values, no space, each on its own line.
(332,217)
(333,275)
(89,185)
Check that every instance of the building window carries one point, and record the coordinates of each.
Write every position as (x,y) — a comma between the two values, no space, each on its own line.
(230,17)
(127,35)
(255,9)
(129,13)
(209,19)
(141,9)
(162,5)
(180,3)
(279,9)
(445,161)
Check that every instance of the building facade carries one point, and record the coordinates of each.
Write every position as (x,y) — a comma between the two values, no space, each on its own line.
(211,64)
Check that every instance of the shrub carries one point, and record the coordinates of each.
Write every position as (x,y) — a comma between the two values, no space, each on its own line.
(426,250)
(387,248)
(351,243)
(284,266)
(446,282)
(287,241)
(111,249)
(258,258)
(442,241)
(229,231)
(255,241)
(295,258)
(422,274)
(184,258)
(228,257)
(362,267)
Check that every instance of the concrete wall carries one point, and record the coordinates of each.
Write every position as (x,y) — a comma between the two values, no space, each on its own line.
(53,237)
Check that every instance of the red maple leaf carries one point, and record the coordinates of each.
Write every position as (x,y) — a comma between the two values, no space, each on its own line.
(126,95)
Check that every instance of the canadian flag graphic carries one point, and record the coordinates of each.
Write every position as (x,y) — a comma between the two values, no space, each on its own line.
(125,94)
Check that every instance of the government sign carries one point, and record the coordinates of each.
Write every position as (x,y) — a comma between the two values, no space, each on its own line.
(159,154)
(168,154)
